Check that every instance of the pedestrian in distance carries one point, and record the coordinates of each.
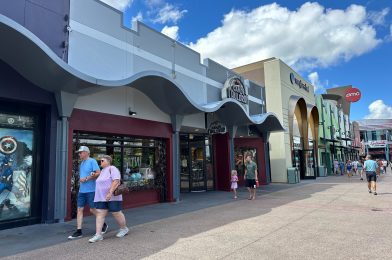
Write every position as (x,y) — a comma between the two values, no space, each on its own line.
(355,167)
(360,169)
(380,169)
(335,167)
(251,176)
(371,167)
(341,165)
(349,167)
(105,201)
(88,172)
(234,183)
(384,165)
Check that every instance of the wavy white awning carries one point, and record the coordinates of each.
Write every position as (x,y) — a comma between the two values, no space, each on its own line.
(35,61)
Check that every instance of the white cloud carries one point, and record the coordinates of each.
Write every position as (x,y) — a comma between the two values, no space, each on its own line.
(379,110)
(378,18)
(169,13)
(309,37)
(118,4)
(153,3)
(389,36)
(171,31)
(315,81)
(138,17)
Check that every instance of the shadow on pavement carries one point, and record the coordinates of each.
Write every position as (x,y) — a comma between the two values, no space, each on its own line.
(156,227)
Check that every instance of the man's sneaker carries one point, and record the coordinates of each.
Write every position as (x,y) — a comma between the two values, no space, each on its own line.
(76,234)
(123,232)
(370,191)
(104,228)
(361,179)
(95,238)
(375,193)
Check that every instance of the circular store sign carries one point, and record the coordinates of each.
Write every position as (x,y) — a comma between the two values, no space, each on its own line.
(353,94)
(8,144)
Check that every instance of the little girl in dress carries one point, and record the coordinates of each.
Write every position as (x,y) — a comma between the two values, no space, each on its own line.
(234,184)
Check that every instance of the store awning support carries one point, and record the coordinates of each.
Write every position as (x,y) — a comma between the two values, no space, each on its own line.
(176,121)
(232,132)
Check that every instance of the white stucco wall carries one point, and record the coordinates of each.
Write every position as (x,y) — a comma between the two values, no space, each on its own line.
(118,101)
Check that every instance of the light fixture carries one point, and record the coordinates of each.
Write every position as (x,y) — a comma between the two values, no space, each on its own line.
(197,130)
(131,113)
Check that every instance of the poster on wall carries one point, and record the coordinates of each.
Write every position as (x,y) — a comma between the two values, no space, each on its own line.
(16,153)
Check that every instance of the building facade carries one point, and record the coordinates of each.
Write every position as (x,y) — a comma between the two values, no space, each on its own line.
(292,99)
(171,123)
(338,137)
(376,138)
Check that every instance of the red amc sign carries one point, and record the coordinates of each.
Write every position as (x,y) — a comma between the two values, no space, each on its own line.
(353,94)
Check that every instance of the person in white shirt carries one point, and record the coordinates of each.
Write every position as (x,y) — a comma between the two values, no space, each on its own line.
(355,166)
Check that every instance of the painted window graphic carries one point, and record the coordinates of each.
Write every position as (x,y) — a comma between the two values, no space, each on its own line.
(16,156)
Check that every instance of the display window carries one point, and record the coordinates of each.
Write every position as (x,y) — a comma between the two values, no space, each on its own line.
(141,161)
(16,159)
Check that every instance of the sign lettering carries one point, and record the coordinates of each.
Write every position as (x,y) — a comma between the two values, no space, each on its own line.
(298,82)
(234,89)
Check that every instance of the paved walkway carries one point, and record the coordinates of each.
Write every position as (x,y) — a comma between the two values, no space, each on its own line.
(327,218)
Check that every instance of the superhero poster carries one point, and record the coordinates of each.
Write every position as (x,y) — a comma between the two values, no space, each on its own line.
(16,156)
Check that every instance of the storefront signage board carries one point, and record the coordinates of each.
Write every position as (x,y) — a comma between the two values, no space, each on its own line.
(377,144)
(235,89)
(352,94)
(217,127)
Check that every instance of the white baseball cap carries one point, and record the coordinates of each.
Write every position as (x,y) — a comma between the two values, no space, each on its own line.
(83,149)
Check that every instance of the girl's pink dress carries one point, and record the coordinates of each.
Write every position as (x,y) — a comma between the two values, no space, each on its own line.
(234,180)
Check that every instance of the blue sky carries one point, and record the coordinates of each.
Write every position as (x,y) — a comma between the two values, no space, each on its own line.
(330,43)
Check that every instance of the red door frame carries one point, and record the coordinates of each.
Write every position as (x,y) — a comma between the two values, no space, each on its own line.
(258,144)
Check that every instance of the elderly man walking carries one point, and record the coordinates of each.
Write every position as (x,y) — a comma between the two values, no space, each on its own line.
(88,173)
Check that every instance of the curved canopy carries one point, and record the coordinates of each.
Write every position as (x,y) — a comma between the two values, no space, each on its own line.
(35,61)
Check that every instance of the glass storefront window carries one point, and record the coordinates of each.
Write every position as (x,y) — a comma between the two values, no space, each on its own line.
(141,161)
(16,164)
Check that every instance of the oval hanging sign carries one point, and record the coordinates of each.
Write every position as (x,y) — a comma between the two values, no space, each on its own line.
(353,94)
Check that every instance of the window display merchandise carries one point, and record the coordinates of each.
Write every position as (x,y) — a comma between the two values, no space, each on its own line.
(16,159)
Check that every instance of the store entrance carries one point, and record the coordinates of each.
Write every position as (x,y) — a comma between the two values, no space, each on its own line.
(304,161)
(305,164)
(196,164)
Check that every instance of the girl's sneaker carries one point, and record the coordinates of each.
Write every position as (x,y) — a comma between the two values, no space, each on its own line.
(95,238)
(123,232)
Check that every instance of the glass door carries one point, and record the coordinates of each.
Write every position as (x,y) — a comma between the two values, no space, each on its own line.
(195,163)
(197,172)
(308,164)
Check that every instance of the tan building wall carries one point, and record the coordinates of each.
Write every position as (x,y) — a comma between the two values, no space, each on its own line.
(275,76)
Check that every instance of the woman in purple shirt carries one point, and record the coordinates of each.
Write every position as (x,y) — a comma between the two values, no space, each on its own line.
(105,201)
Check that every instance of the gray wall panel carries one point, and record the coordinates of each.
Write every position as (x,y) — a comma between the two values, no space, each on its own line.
(254,108)
(44,18)
(14,9)
(213,94)
(98,16)
(94,58)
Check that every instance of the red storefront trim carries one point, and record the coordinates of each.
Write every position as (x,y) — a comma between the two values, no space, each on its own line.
(95,122)
(257,143)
